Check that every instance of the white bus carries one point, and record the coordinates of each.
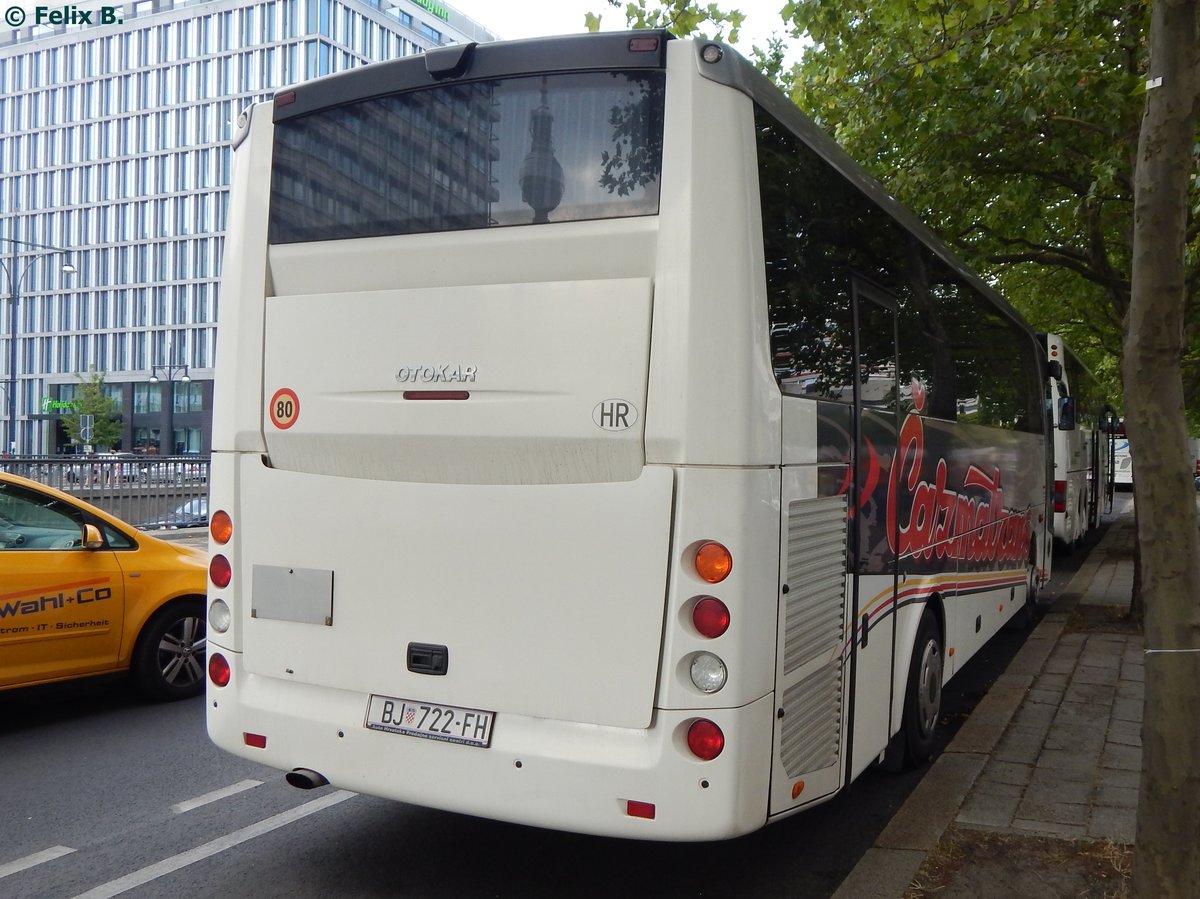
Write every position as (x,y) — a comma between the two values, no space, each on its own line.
(1081,421)
(547,485)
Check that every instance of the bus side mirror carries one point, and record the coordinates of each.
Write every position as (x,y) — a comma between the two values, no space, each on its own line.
(1054,369)
(1066,413)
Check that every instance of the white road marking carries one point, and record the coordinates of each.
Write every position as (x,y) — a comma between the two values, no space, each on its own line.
(240,787)
(29,861)
(176,862)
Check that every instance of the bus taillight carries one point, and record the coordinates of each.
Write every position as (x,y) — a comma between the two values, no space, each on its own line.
(1060,496)
(713,562)
(711,617)
(220,572)
(705,739)
(218,670)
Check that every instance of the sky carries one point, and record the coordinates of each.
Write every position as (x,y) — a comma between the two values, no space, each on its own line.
(535,18)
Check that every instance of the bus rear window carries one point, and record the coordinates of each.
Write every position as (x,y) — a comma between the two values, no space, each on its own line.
(471,155)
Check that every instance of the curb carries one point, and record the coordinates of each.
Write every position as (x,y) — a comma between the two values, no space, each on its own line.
(889,867)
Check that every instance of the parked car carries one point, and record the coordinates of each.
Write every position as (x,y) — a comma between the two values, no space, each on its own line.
(84,594)
(192,514)
(107,469)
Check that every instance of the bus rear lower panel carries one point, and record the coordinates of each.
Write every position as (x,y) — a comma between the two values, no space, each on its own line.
(554,774)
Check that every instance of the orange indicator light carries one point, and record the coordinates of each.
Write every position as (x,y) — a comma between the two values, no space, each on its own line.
(221,527)
(713,562)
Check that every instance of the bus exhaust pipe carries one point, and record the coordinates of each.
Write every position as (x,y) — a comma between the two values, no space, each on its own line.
(305,779)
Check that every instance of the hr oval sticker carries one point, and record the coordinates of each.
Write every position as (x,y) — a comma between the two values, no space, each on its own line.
(615,415)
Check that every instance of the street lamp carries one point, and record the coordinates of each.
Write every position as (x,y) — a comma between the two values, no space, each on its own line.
(169,373)
(16,277)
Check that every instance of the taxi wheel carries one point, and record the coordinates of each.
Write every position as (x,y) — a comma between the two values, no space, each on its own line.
(169,660)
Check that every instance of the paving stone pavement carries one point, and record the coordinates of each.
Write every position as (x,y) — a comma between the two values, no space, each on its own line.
(1054,748)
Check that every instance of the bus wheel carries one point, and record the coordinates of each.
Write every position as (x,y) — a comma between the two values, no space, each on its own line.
(923,696)
(1027,615)
(169,660)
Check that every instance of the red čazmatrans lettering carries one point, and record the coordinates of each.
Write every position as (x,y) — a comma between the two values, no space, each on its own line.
(968,524)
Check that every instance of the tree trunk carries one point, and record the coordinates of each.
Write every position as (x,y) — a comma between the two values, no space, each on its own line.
(1167,861)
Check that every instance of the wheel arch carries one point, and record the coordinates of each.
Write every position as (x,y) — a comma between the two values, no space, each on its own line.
(155,612)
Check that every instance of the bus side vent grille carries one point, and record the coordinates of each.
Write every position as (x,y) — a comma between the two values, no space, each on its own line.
(814,613)
(812,721)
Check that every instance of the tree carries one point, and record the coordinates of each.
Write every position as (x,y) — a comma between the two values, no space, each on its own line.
(1166,863)
(90,399)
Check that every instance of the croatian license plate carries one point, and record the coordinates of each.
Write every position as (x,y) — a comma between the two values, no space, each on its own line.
(448,723)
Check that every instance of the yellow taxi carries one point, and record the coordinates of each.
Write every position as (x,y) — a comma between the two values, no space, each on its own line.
(82,593)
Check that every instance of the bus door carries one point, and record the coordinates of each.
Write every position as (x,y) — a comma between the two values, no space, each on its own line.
(872,557)
(838,572)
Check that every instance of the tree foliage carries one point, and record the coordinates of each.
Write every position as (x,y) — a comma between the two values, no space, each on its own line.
(681,17)
(1010,127)
(91,399)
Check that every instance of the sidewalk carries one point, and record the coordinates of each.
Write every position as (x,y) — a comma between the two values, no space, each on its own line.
(1052,752)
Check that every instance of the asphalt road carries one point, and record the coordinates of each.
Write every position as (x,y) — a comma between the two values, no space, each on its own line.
(106,795)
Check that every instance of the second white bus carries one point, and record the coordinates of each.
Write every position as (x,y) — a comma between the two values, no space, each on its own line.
(1081,425)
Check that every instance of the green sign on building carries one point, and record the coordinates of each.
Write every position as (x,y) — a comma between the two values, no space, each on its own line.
(49,404)
(436,8)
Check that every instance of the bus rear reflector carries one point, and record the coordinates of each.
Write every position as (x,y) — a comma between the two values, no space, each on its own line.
(437,394)
(705,739)
(218,670)
(258,741)
(713,562)
(220,571)
(221,527)
(636,809)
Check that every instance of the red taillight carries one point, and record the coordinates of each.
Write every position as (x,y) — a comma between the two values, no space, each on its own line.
(220,571)
(218,670)
(258,741)
(705,739)
(636,809)
(711,617)
(1060,496)
(713,562)
(221,527)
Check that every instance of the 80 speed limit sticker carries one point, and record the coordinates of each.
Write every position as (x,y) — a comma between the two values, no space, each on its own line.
(284,408)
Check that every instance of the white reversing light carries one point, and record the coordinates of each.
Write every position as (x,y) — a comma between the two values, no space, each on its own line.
(219,616)
(708,672)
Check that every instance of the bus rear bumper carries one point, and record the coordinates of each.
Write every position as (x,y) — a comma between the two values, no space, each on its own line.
(554,774)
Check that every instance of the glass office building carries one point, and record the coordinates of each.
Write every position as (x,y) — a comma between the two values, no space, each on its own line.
(114,186)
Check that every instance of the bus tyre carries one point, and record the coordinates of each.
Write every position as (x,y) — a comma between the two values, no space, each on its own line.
(923,696)
(168,662)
